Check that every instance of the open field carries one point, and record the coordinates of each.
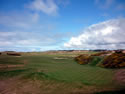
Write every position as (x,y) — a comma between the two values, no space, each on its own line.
(55,73)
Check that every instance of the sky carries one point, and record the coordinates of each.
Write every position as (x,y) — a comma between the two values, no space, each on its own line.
(41,25)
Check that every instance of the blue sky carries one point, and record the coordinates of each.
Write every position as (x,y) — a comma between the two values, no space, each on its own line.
(39,25)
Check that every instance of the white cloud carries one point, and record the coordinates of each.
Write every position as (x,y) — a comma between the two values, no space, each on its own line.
(26,41)
(105,35)
(17,39)
(47,6)
(21,38)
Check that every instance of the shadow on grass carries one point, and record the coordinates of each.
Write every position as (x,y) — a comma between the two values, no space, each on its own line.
(40,76)
(11,73)
(95,60)
(112,92)
(35,75)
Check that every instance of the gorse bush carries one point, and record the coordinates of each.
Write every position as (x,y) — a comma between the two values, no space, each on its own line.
(116,60)
(83,59)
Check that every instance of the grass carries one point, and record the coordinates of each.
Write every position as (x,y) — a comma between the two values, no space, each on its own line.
(45,67)
(4,59)
(11,73)
(68,70)
(95,60)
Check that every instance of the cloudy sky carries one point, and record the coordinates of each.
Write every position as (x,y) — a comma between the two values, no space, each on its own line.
(40,25)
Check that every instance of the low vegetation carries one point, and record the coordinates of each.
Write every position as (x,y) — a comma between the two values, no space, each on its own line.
(83,59)
(103,59)
(14,54)
(116,60)
(58,73)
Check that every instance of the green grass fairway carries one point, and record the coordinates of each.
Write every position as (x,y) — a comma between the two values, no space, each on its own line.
(55,71)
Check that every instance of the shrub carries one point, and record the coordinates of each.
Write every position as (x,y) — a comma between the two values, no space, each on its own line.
(83,59)
(116,60)
(14,54)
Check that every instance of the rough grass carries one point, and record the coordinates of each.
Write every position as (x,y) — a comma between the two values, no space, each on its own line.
(69,71)
(11,73)
(96,60)
(66,74)
(4,59)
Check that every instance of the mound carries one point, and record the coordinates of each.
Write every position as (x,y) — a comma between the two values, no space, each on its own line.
(83,59)
(115,60)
